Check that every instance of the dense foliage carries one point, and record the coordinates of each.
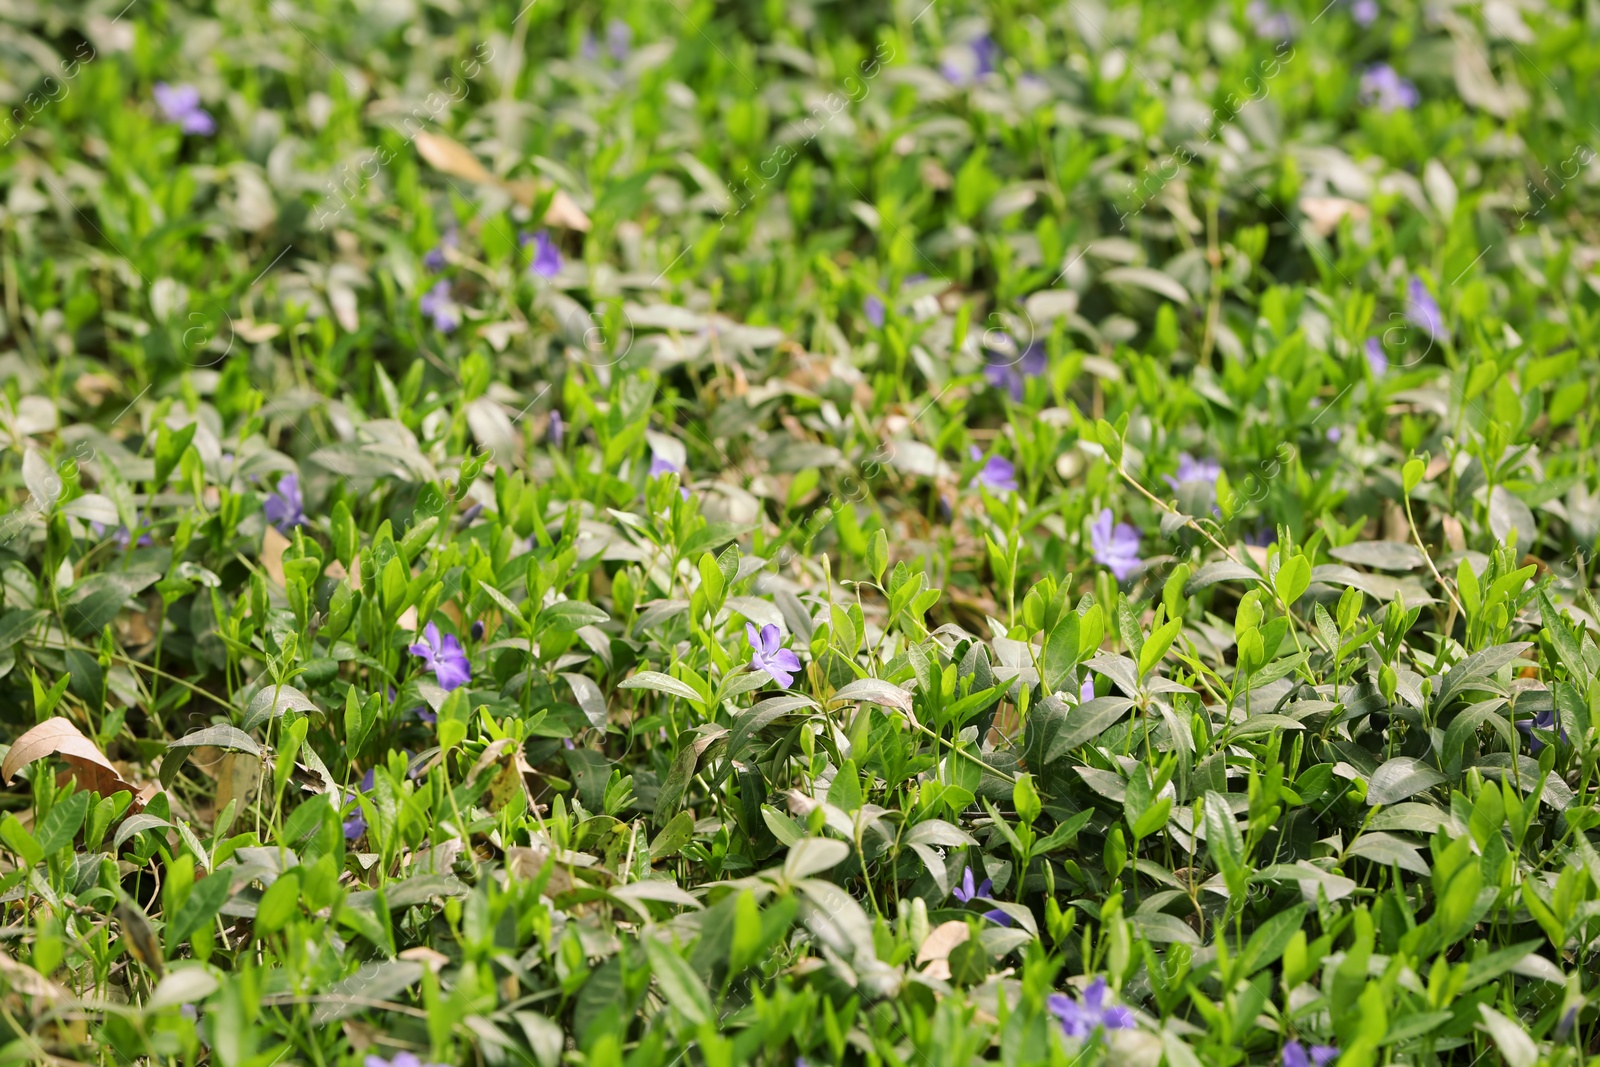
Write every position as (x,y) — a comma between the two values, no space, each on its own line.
(793,533)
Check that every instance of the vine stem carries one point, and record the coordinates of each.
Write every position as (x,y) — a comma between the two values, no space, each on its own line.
(1417,537)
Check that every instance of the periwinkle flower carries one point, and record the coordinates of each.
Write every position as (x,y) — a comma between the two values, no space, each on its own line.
(966,892)
(1268,21)
(434,258)
(443,656)
(1422,310)
(1204,471)
(1334,434)
(356,824)
(546,256)
(1086,693)
(967,63)
(1383,87)
(1377,359)
(769,654)
(401,1059)
(122,537)
(1081,1018)
(873,308)
(998,474)
(1297,1055)
(557,430)
(1012,375)
(1364,12)
(660,465)
(619,39)
(477,630)
(436,302)
(283,506)
(1544,721)
(181,106)
(1115,545)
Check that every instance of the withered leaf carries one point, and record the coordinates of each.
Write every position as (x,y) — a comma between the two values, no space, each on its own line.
(59,737)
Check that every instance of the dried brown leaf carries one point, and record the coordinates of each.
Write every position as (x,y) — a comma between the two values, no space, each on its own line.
(451,157)
(59,737)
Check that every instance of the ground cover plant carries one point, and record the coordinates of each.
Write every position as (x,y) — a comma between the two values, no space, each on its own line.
(794,533)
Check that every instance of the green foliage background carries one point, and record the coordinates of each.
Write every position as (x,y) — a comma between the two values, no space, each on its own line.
(871,326)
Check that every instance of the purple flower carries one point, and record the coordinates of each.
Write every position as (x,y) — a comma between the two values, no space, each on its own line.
(356,824)
(1377,360)
(181,105)
(998,474)
(546,256)
(401,1059)
(1365,12)
(1294,1055)
(873,308)
(1115,546)
(444,657)
(1335,434)
(472,512)
(1081,1018)
(619,38)
(969,63)
(123,537)
(1268,21)
(283,505)
(1086,693)
(660,465)
(557,430)
(1543,721)
(436,302)
(966,892)
(477,630)
(434,259)
(1012,375)
(1422,311)
(769,654)
(1382,86)
(1190,469)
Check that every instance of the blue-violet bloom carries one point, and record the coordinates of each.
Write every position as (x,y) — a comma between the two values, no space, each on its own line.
(436,303)
(546,256)
(1422,310)
(1377,359)
(1296,1055)
(181,105)
(1383,87)
(443,656)
(1115,545)
(1081,1018)
(998,474)
(283,506)
(1190,469)
(769,654)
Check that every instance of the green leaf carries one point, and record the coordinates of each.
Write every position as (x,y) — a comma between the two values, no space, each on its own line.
(1086,722)
(1225,844)
(1293,579)
(58,828)
(18,840)
(1269,940)
(204,902)
(657,682)
(679,984)
(1060,653)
